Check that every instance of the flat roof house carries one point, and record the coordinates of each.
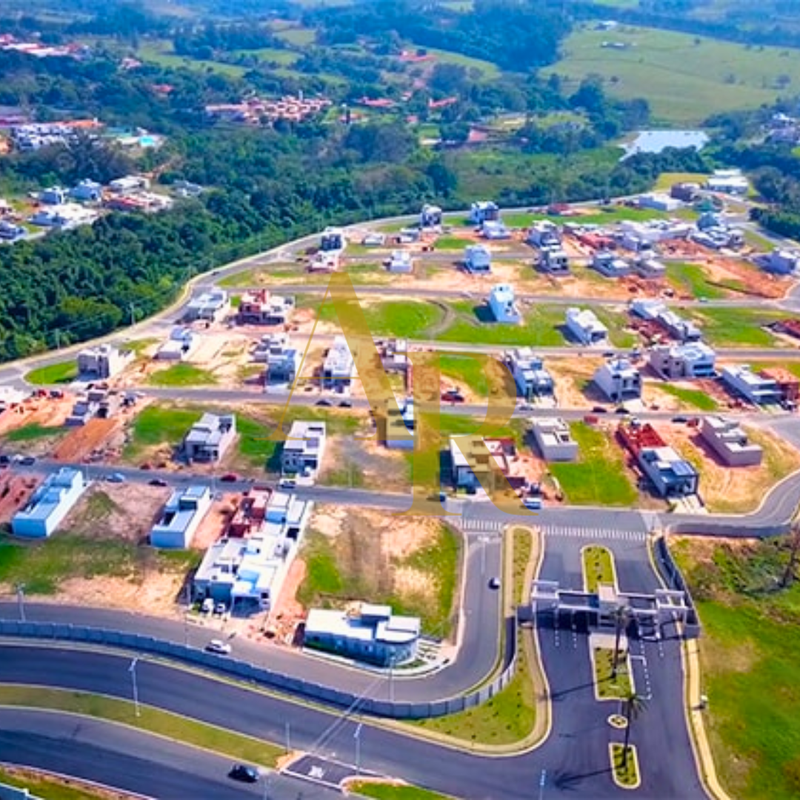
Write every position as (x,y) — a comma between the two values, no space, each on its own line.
(398,425)
(304,449)
(102,361)
(726,438)
(49,504)
(679,361)
(210,306)
(755,388)
(531,377)
(728,181)
(610,265)
(781,261)
(332,239)
(495,230)
(584,326)
(338,367)
(671,475)
(282,361)
(503,305)
(178,347)
(430,216)
(369,633)
(554,261)
(261,307)
(210,437)
(554,439)
(474,461)
(483,211)
(182,514)
(618,380)
(400,262)
(477,259)
(544,233)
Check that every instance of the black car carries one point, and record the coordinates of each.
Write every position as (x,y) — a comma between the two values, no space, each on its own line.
(599,409)
(345,404)
(679,419)
(621,410)
(494,583)
(323,402)
(243,773)
(157,482)
(28,461)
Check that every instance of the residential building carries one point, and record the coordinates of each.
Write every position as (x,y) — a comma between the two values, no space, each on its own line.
(396,425)
(400,261)
(339,366)
(368,633)
(683,361)
(686,192)
(670,474)
(374,239)
(430,216)
(554,261)
(393,354)
(726,438)
(611,265)
(210,306)
(650,268)
(250,514)
(332,239)
(728,181)
(554,439)
(483,211)
(495,230)
(752,386)
(677,327)
(479,462)
(618,380)
(658,201)
(781,261)
(130,184)
(249,571)
(477,259)
(182,514)
(787,383)
(181,342)
(102,361)
(503,303)
(544,234)
(86,192)
(49,504)
(282,361)
(96,402)
(54,196)
(11,396)
(261,307)
(210,437)
(304,449)
(584,326)
(531,377)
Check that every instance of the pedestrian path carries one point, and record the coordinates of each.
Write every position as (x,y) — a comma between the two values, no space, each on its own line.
(596,534)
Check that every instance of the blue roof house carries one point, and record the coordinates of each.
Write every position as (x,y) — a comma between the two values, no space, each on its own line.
(49,504)
(182,514)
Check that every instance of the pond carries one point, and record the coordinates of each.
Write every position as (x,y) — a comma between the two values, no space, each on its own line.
(656,141)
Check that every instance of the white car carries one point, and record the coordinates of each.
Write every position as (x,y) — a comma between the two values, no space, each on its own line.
(287,483)
(218,646)
(533,503)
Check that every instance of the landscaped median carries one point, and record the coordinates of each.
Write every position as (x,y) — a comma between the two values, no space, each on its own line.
(392,791)
(624,767)
(50,787)
(598,567)
(608,686)
(153,720)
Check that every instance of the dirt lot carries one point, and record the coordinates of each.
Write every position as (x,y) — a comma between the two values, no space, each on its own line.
(365,463)
(572,377)
(85,439)
(44,411)
(215,521)
(14,493)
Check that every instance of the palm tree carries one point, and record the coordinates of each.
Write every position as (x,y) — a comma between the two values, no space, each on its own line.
(635,704)
(622,616)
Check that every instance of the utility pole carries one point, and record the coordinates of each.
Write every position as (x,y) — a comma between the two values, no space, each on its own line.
(21,601)
(132,670)
(357,737)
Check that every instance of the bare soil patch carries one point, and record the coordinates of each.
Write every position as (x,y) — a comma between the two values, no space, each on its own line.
(85,439)
(15,491)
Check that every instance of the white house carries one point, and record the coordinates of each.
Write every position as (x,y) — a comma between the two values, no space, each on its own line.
(503,303)
(338,366)
(728,181)
(210,437)
(483,211)
(554,439)
(531,377)
(304,449)
(726,438)
(495,230)
(398,424)
(610,265)
(670,474)
(182,514)
(618,380)
(683,361)
(332,240)
(400,261)
(658,201)
(430,216)
(584,326)
(179,346)
(544,233)
(554,261)
(209,306)
(49,504)
(102,361)
(781,261)
(755,388)
(477,259)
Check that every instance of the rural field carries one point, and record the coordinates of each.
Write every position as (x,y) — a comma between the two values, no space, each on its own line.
(714,76)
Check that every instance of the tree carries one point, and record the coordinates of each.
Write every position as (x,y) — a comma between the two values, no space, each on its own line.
(794,548)
(622,616)
(634,705)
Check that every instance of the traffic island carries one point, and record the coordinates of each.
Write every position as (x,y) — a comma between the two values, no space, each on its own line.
(598,567)
(624,766)
(617,721)
(608,686)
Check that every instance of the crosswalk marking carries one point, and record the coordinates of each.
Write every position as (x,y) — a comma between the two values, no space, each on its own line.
(576,532)
(482,524)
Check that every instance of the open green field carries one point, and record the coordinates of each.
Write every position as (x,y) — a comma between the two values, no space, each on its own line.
(43,565)
(685,78)
(737,327)
(749,666)
(599,476)
(161,53)
(389,791)
(489,71)
(300,37)
(32,432)
(182,375)
(270,54)
(691,397)
(693,279)
(666,179)
(62,372)
(160,424)
(405,318)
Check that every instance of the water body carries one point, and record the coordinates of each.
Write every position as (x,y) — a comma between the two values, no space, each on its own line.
(656,141)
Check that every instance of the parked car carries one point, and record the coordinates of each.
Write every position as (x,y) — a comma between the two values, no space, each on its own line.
(494,583)
(219,647)
(243,773)
(599,409)
(533,503)
(220,608)
(4,459)
(157,482)
(680,419)
(453,397)
(208,605)
(345,404)
(287,483)
(115,477)
(229,477)
(323,402)
(145,466)
(621,410)
(28,461)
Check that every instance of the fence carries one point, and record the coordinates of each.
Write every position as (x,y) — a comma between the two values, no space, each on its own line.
(674,578)
(275,680)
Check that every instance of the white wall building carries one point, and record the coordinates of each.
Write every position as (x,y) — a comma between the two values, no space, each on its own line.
(338,367)
(503,304)
(754,388)
(477,259)
(683,361)
(304,449)
(584,326)
(554,439)
(529,373)
(618,380)
(726,438)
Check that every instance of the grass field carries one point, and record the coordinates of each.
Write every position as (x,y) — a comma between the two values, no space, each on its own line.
(47,788)
(389,791)
(465,371)
(158,424)
(174,726)
(181,375)
(737,327)
(300,37)
(693,279)
(490,71)
(32,432)
(62,372)
(161,53)
(691,397)
(608,687)
(598,477)
(685,78)
(43,565)
(666,179)
(598,567)
(394,318)
(749,665)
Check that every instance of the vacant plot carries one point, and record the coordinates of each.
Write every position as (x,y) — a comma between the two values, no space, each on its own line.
(181,375)
(159,426)
(599,476)
(84,440)
(667,179)
(737,327)
(749,606)
(690,398)
(354,555)
(694,280)
(464,370)
(63,372)
(542,327)
(685,78)
(408,319)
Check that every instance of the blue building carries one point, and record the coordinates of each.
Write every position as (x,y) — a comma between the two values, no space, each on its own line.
(369,633)
(182,514)
(87,192)
(49,504)
(503,303)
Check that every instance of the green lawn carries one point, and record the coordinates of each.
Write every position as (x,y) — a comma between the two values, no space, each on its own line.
(173,726)
(452,243)
(161,53)
(32,432)
(408,319)
(609,688)
(626,767)
(523,547)
(138,346)
(542,327)
(48,788)
(160,424)
(749,666)
(182,375)
(43,565)
(389,791)
(685,78)
(300,37)
(598,567)
(490,71)
(737,327)
(667,179)
(598,477)
(691,397)
(62,372)
(693,279)
(466,371)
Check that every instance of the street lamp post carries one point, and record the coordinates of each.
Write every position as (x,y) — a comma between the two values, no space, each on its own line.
(542,780)
(357,737)
(21,601)
(132,670)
